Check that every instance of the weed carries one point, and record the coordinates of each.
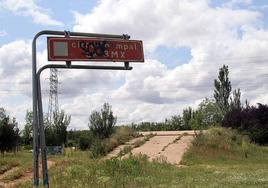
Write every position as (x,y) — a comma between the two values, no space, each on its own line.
(124,151)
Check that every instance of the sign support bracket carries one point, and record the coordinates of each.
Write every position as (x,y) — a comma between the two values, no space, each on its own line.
(38,124)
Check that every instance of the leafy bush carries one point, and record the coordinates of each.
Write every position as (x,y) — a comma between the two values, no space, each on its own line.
(123,134)
(85,141)
(97,149)
(253,121)
(207,115)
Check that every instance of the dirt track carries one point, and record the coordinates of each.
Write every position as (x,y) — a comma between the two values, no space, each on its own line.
(167,145)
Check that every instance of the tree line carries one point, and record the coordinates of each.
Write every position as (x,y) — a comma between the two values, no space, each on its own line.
(224,109)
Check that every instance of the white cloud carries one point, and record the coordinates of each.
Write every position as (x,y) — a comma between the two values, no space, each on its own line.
(152,91)
(30,8)
(262,98)
(169,23)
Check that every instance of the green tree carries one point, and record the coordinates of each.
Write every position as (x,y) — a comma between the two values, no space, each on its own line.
(223,89)
(174,123)
(196,121)
(235,100)
(207,114)
(56,131)
(187,115)
(27,132)
(102,123)
(212,114)
(61,123)
(9,132)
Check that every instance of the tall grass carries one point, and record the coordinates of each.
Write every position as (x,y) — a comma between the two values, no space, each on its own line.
(221,144)
(216,159)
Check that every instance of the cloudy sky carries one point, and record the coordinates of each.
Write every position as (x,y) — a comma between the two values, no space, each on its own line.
(185,43)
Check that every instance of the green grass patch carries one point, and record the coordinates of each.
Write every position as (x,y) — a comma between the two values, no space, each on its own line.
(22,159)
(216,159)
(14,175)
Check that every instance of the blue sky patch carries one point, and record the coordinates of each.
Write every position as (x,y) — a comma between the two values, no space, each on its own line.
(171,57)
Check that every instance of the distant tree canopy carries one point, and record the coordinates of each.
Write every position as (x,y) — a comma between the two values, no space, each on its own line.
(101,123)
(9,132)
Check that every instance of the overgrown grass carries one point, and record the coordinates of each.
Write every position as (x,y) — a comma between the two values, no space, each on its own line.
(146,138)
(14,175)
(21,160)
(216,159)
(221,144)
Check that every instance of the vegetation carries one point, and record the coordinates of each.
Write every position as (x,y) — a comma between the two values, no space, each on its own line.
(102,123)
(223,89)
(56,132)
(121,135)
(9,132)
(27,133)
(216,159)
(252,121)
(20,162)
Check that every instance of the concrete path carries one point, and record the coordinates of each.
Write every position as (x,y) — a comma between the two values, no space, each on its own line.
(167,145)
(154,146)
(174,152)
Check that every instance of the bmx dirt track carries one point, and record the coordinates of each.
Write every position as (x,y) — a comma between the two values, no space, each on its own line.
(168,146)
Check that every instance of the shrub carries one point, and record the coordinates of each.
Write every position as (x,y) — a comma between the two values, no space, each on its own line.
(85,141)
(123,134)
(217,144)
(253,121)
(97,149)
(219,138)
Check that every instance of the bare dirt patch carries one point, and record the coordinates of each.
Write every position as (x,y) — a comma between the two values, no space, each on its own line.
(166,145)
(174,152)
(154,146)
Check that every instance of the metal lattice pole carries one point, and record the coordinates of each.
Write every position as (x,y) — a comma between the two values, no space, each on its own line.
(53,106)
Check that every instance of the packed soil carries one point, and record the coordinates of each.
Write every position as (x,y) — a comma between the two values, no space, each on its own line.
(168,146)
(154,146)
(174,152)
